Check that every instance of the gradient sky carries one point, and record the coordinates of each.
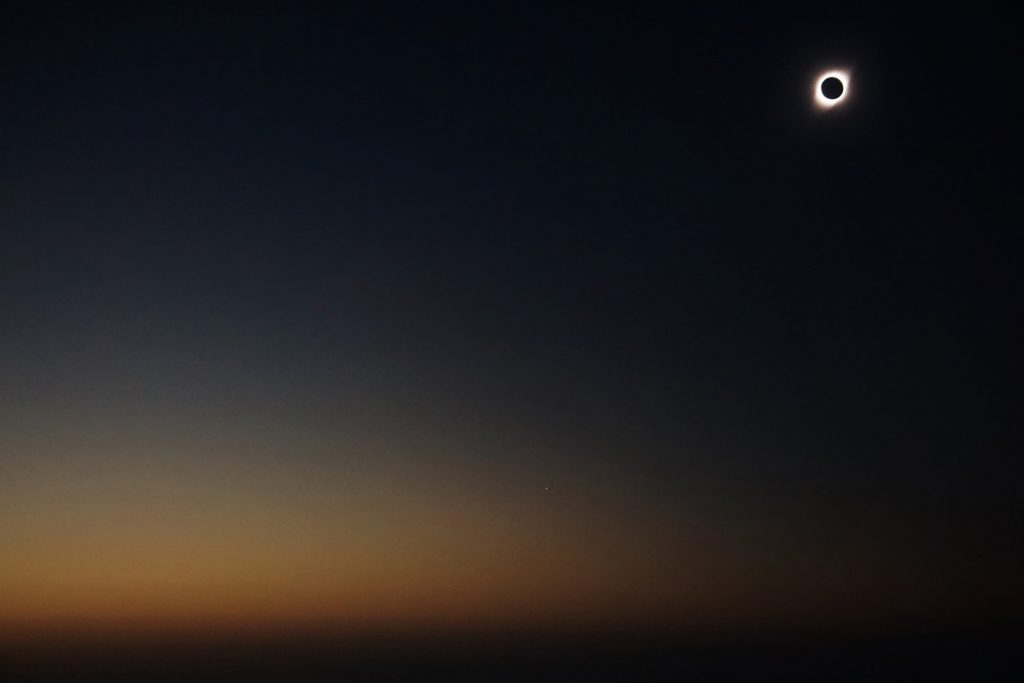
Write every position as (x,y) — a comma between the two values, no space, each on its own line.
(531,317)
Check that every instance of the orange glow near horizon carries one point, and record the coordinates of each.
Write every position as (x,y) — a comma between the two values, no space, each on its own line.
(129,540)
(228,528)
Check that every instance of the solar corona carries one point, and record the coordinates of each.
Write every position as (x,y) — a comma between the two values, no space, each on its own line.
(831,89)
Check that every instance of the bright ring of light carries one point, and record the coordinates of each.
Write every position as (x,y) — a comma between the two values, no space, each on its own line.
(823,102)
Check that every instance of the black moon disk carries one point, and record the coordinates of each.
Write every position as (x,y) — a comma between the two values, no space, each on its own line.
(832,88)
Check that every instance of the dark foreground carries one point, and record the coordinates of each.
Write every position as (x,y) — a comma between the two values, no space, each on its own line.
(978,655)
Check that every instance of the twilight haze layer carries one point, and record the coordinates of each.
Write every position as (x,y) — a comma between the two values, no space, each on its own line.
(432,319)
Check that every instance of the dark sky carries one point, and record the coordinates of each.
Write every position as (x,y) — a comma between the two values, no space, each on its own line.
(585,307)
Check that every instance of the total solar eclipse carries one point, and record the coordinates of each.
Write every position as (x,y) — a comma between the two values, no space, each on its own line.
(831,88)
